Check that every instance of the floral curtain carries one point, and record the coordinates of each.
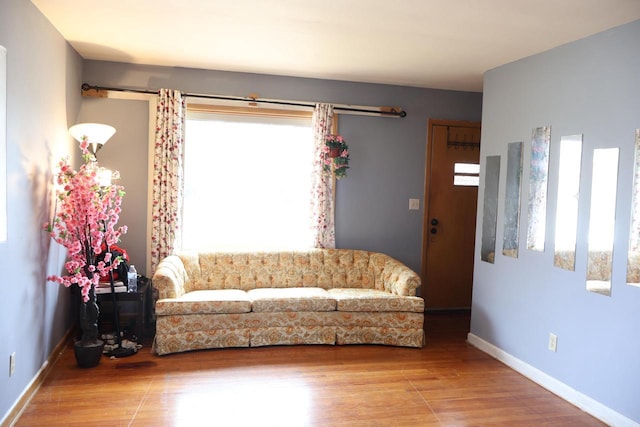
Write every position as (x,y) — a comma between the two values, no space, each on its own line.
(168,163)
(322,209)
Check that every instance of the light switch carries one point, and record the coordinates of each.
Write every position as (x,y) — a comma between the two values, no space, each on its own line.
(414,204)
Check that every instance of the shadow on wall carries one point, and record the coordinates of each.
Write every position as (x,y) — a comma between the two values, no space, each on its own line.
(41,190)
(481,325)
(104,52)
(40,294)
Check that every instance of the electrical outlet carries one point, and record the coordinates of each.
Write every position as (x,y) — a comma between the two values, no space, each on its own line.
(12,363)
(553,342)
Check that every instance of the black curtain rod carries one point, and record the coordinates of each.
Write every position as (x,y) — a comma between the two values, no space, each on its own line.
(392,112)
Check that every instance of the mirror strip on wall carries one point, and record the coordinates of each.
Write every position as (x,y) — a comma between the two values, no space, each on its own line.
(633,257)
(567,204)
(538,180)
(602,217)
(490,209)
(512,200)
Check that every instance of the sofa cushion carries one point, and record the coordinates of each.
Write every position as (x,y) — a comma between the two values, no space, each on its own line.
(291,299)
(351,299)
(206,302)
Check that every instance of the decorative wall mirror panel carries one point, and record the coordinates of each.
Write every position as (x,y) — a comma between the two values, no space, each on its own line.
(512,200)
(602,219)
(567,206)
(538,180)
(490,209)
(633,258)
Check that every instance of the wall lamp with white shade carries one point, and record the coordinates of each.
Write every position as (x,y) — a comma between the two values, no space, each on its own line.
(96,134)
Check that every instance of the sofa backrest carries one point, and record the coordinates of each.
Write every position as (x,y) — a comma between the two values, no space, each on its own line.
(324,268)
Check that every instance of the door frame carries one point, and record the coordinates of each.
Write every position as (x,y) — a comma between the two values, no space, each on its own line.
(427,184)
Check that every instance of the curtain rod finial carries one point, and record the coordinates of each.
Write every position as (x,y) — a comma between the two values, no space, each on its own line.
(93,91)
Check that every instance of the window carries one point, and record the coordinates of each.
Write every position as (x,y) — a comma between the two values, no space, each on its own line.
(466,174)
(247,181)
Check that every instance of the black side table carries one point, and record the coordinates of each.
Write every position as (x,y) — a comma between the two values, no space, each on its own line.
(141,316)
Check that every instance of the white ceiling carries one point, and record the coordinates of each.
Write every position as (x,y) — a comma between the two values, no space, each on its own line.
(446,44)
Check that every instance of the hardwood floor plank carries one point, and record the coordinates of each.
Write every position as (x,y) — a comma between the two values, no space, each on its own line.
(446,383)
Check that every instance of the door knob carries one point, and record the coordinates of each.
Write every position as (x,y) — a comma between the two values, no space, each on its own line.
(434,221)
(434,230)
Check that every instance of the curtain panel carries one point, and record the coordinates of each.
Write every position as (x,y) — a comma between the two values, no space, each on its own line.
(168,164)
(322,203)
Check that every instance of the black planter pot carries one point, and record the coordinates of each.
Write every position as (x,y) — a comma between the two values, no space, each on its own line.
(88,349)
(88,355)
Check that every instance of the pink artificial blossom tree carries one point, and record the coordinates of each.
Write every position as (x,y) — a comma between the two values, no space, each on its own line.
(85,224)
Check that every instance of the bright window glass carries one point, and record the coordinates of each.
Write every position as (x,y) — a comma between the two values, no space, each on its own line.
(466,180)
(471,168)
(466,174)
(247,182)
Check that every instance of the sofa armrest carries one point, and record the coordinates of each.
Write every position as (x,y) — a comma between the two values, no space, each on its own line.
(397,278)
(170,277)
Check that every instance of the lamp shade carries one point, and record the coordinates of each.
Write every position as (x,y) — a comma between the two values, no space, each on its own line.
(96,133)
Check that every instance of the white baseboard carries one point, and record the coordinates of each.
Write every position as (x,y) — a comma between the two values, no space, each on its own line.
(582,401)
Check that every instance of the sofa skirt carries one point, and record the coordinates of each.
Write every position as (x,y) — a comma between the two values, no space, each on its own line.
(380,335)
(293,335)
(178,333)
(200,340)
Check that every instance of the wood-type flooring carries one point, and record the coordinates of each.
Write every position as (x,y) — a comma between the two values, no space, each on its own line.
(446,383)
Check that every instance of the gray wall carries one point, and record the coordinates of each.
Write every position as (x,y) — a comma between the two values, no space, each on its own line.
(43,100)
(43,96)
(592,87)
(387,155)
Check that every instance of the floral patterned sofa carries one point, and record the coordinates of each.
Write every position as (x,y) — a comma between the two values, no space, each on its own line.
(321,296)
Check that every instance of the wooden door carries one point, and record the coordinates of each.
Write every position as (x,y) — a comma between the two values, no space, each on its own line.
(451,194)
